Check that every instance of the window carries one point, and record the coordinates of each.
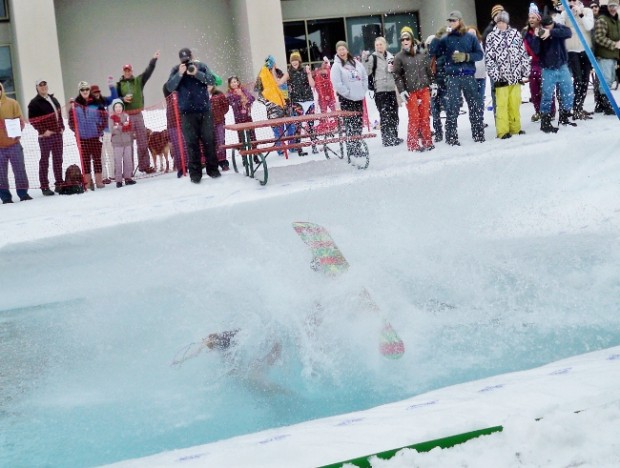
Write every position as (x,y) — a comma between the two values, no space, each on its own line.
(6,71)
(317,38)
(4,12)
(362,32)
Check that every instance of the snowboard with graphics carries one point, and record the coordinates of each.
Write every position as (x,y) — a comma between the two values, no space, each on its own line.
(328,260)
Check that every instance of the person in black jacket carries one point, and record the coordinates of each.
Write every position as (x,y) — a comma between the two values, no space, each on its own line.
(45,116)
(190,79)
(548,43)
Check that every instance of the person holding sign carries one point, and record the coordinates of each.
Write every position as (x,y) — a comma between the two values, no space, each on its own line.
(11,126)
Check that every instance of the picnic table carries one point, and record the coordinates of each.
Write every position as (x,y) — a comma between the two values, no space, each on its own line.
(254,152)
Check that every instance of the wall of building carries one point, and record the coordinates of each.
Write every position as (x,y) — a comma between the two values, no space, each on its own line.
(97,38)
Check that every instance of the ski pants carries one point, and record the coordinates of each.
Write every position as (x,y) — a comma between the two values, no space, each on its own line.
(467,85)
(580,68)
(387,105)
(508,114)
(418,114)
(198,129)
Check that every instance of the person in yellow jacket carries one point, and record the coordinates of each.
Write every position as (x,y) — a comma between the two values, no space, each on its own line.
(11,151)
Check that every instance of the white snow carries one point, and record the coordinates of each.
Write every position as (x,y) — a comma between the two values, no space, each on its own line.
(408,218)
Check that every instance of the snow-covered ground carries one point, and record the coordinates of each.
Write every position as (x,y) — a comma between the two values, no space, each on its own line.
(539,212)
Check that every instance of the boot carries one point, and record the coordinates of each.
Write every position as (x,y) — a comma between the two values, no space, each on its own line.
(99,180)
(564,115)
(606,106)
(89,182)
(545,124)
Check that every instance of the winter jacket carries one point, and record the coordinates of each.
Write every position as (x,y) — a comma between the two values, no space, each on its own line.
(412,72)
(460,40)
(192,91)
(9,109)
(606,34)
(219,107)
(121,131)
(506,59)
(585,21)
(240,110)
(440,62)
(384,80)
(552,51)
(43,116)
(299,86)
(349,79)
(135,86)
(90,118)
(528,36)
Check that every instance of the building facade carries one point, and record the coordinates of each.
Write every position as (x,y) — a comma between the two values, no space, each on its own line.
(68,41)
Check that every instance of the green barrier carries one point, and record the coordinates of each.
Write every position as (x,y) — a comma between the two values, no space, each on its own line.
(445,442)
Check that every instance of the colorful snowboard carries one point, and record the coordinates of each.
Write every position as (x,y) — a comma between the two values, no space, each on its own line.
(328,259)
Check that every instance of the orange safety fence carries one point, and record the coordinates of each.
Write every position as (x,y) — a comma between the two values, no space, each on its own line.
(87,144)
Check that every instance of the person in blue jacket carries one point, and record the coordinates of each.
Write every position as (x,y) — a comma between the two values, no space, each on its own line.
(460,52)
(548,43)
(91,121)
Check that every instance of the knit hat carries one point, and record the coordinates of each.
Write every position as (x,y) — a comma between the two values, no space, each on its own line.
(455,15)
(495,10)
(535,11)
(502,17)
(406,31)
(295,55)
(342,43)
(594,3)
(82,85)
(117,101)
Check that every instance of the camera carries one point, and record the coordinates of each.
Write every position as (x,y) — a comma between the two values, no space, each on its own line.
(191,68)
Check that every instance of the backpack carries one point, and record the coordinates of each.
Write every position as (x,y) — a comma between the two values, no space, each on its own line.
(74,182)
(371,77)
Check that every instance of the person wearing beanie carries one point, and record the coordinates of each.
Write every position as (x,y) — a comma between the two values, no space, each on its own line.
(121,137)
(272,88)
(87,121)
(350,81)
(438,98)
(413,76)
(11,151)
(494,11)
(508,64)
(461,50)
(549,43)
(107,152)
(130,89)
(607,49)
(380,65)
(578,61)
(301,84)
(44,114)
(535,79)
(191,79)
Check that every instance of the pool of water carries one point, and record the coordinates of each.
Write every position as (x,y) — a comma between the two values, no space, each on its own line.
(89,326)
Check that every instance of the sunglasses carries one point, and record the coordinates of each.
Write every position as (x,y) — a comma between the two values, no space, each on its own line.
(84,89)
(405,39)
(452,20)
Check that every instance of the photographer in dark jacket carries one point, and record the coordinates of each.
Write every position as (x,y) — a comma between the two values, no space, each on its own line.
(190,79)
(45,116)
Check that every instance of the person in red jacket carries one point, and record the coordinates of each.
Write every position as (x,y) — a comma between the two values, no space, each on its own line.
(219,108)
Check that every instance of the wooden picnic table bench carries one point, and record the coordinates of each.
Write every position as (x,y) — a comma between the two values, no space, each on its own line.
(254,152)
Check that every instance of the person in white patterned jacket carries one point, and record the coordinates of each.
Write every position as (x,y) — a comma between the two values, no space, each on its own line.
(508,65)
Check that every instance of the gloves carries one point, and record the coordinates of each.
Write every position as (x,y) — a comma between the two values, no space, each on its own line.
(434,90)
(405,96)
(111,81)
(460,57)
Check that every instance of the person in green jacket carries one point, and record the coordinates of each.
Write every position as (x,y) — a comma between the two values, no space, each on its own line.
(130,89)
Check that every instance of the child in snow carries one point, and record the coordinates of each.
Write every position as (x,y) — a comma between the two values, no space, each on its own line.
(122,143)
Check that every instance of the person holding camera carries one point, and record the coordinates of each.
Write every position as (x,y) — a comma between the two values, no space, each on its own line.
(191,80)
(549,43)
(380,65)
